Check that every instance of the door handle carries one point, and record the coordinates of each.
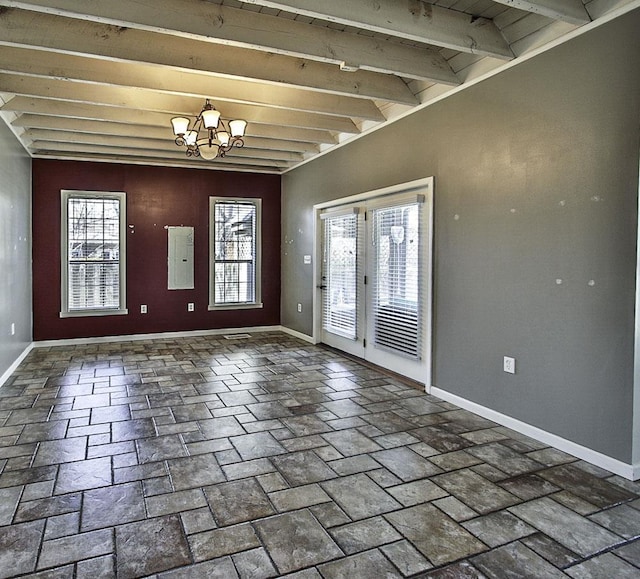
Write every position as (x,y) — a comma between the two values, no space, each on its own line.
(322,287)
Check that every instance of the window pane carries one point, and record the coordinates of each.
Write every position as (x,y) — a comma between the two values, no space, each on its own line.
(94,286)
(234,252)
(93,246)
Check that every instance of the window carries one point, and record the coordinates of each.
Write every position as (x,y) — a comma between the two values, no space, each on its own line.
(93,253)
(235,253)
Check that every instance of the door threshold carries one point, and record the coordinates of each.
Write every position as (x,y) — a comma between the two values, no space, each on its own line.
(390,373)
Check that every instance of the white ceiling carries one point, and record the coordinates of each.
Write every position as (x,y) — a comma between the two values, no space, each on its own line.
(100,80)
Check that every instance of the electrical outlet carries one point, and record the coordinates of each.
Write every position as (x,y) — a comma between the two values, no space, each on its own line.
(191,307)
(509,365)
(143,309)
(299,308)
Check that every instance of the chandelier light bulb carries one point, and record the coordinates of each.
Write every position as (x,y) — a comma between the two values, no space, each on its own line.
(237,128)
(180,125)
(190,138)
(210,118)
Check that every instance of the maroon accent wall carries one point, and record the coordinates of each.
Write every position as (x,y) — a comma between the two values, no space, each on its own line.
(156,196)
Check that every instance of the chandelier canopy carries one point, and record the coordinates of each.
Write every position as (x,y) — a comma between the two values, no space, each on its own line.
(209,136)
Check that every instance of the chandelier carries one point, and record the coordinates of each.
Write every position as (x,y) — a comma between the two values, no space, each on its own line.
(219,138)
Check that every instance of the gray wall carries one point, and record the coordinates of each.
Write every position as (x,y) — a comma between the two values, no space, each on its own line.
(15,248)
(540,164)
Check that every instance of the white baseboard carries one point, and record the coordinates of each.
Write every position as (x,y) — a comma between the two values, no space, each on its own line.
(11,369)
(298,335)
(160,335)
(628,471)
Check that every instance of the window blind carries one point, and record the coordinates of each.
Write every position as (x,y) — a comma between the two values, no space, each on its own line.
(340,271)
(93,254)
(234,252)
(397,308)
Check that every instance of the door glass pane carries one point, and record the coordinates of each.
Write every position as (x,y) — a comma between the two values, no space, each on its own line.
(396,279)
(340,275)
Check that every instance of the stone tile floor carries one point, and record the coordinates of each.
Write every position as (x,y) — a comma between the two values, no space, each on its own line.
(268,457)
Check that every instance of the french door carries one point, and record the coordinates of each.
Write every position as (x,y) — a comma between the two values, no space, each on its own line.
(342,280)
(375,279)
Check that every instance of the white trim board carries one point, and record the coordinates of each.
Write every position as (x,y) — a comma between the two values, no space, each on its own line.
(628,471)
(635,440)
(161,335)
(408,187)
(158,336)
(11,369)
(299,335)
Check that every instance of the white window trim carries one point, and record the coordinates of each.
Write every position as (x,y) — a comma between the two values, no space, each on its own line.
(258,255)
(65,195)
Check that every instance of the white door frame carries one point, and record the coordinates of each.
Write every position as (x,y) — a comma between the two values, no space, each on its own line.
(423,186)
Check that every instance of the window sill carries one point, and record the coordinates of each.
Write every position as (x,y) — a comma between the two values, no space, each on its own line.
(253,306)
(92,313)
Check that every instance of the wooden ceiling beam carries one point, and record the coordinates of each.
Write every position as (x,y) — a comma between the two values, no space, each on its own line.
(571,11)
(141,142)
(80,110)
(110,42)
(291,136)
(54,65)
(145,99)
(243,28)
(224,164)
(411,19)
(43,147)
(157,139)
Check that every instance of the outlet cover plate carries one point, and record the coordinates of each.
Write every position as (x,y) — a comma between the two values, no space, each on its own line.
(509,365)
